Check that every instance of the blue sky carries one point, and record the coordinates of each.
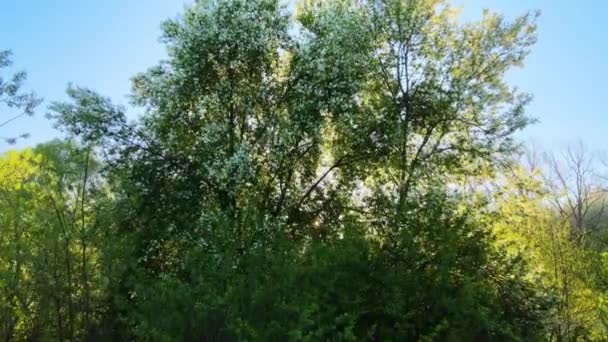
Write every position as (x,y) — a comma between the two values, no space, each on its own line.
(102,43)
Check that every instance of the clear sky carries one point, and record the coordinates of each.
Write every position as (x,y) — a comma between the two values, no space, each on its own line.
(102,43)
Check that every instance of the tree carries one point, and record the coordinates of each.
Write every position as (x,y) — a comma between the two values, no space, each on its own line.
(16,172)
(53,217)
(580,192)
(315,164)
(537,220)
(13,99)
(416,96)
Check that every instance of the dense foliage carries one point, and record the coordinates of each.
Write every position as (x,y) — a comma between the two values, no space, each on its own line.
(343,173)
